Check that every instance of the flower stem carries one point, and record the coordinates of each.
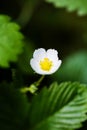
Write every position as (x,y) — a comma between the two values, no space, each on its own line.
(37,83)
(33,87)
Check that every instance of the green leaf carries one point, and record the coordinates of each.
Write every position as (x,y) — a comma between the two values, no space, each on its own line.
(72,5)
(13,108)
(61,107)
(74,68)
(11,43)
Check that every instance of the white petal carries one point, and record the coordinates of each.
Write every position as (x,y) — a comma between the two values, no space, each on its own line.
(36,67)
(52,52)
(56,66)
(52,55)
(39,54)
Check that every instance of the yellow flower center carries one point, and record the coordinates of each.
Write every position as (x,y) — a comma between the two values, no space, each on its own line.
(46,64)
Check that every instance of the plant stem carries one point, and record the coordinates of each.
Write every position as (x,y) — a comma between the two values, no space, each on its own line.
(33,87)
(27,11)
(37,83)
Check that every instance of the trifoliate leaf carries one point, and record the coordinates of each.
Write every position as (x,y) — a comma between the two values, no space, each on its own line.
(72,5)
(10,41)
(13,108)
(61,107)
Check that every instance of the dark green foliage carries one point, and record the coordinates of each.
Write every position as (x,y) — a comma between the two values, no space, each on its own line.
(13,108)
(61,107)
(74,68)
(24,59)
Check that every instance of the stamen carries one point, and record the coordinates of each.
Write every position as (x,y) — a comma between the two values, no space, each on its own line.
(46,64)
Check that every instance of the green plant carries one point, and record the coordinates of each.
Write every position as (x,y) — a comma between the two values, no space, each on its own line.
(27,104)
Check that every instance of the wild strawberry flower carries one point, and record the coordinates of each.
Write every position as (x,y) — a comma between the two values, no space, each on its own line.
(45,62)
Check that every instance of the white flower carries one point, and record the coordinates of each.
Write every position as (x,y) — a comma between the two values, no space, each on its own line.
(45,62)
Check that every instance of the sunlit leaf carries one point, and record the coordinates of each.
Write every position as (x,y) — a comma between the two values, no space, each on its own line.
(10,41)
(61,107)
(72,5)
